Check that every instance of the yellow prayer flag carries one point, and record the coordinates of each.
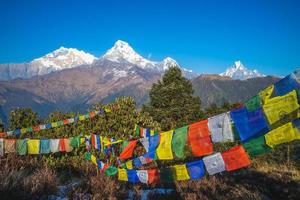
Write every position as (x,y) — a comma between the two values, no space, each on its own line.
(106,141)
(266,93)
(181,172)
(122,175)
(129,164)
(152,132)
(33,146)
(54,124)
(283,134)
(164,150)
(94,160)
(82,140)
(23,130)
(81,117)
(282,108)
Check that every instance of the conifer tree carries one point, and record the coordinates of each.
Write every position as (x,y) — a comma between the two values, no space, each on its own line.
(172,103)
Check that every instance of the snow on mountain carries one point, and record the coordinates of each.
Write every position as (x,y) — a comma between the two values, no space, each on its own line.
(123,52)
(63,58)
(239,71)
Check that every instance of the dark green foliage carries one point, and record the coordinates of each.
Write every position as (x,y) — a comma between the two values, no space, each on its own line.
(1,126)
(172,103)
(22,118)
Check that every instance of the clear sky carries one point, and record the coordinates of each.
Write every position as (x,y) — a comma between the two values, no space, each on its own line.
(203,35)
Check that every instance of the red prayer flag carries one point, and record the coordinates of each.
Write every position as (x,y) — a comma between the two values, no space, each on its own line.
(201,146)
(153,176)
(235,158)
(2,134)
(66,121)
(128,150)
(36,128)
(199,138)
(62,145)
(92,114)
(199,128)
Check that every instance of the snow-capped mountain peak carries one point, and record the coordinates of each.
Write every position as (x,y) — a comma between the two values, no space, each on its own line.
(239,71)
(63,58)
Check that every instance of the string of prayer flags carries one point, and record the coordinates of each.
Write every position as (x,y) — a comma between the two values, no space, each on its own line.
(179,141)
(128,150)
(214,163)
(22,147)
(164,149)
(282,134)
(282,109)
(181,172)
(256,146)
(235,158)
(150,143)
(199,138)
(10,145)
(249,124)
(147,158)
(220,128)
(33,146)
(45,146)
(54,145)
(286,85)
(196,169)
(122,175)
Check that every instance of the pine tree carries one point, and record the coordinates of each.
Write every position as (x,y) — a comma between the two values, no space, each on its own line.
(172,103)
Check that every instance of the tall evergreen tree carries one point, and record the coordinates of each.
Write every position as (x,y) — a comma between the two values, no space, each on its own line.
(172,103)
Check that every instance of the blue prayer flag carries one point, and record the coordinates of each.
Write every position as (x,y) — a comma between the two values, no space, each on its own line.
(196,169)
(132,176)
(45,146)
(286,85)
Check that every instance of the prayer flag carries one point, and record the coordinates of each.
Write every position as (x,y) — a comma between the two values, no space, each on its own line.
(10,145)
(166,175)
(282,109)
(122,175)
(68,147)
(132,176)
(127,152)
(111,171)
(282,134)
(22,147)
(129,164)
(179,141)
(164,150)
(201,146)
(94,160)
(266,94)
(286,85)
(196,169)
(1,146)
(75,142)
(256,146)
(220,128)
(36,128)
(181,172)
(253,104)
(33,146)
(249,124)
(214,163)
(199,128)
(62,145)
(54,145)
(153,176)
(142,175)
(45,146)
(235,158)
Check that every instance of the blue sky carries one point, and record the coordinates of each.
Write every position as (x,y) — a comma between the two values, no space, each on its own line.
(203,35)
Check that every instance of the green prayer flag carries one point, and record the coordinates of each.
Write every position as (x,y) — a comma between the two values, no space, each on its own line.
(124,144)
(253,104)
(257,146)
(75,142)
(179,141)
(29,129)
(60,123)
(111,171)
(22,147)
(137,130)
(87,155)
